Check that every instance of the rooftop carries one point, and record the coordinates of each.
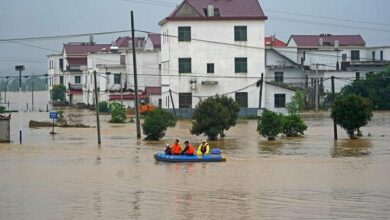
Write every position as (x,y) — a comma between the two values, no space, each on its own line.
(327,39)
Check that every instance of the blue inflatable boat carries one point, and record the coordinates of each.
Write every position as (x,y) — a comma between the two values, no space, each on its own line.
(213,157)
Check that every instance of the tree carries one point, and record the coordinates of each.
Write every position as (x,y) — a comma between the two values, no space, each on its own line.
(293,126)
(58,93)
(351,112)
(118,113)
(156,123)
(214,115)
(376,87)
(297,103)
(270,124)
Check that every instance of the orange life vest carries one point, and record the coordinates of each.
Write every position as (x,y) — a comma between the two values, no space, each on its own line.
(176,149)
(190,150)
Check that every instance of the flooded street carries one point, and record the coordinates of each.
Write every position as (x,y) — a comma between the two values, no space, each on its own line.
(69,176)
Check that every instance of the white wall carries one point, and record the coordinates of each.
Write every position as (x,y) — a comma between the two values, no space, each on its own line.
(345,78)
(148,72)
(271,90)
(221,55)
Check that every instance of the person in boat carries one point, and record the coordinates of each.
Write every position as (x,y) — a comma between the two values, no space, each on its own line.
(189,150)
(176,148)
(204,148)
(168,150)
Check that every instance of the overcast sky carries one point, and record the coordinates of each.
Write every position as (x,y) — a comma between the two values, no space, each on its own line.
(32,18)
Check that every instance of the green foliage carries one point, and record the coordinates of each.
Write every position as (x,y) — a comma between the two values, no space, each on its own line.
(297,103)
(156,123)
(376,87)
(293,126)
(104,107)
(58,93)
(2,109)
(214,115)
(118,113)
(351,112)
(270,124)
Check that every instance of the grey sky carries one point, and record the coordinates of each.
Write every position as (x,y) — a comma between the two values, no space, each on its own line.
(29,18)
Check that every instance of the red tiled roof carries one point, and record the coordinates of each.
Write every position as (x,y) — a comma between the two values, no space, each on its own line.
(77,61)
(124,41)
(126,97)
(156,40)
(82,49)
(313,40)
(152,90)
(228,10)
(275,43)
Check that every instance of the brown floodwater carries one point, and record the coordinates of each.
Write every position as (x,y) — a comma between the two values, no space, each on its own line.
(68,176)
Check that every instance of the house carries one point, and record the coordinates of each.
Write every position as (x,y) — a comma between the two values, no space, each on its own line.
(205,50)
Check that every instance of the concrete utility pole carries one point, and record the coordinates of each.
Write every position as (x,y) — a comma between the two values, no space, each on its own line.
(20,68)
(97,108)
(260,84)
(334,119)
(173,104)
(138,124)
(316,89)
(120,74)
(32,96)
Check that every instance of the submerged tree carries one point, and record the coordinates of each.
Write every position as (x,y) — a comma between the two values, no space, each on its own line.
(352,112)
(293,126)
(270,124)
(118,113)
(214,115)
(58,93)
(156,123)
(297,103)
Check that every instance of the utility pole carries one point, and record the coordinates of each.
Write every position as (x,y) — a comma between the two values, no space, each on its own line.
(32,96)
(260,84)
(20,68)
(316,88)
(138,124)
(6,89)
(120,74)
(334,119)
(97,108)
(173,104)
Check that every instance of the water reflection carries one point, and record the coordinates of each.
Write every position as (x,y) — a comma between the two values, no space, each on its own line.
(270,147)
(351,148)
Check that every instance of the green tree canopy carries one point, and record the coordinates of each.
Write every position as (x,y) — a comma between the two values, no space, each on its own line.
(293,126)
(297,103)
(214,115)
(270,124)
(376,87)
(118,113)
(351,112)
(58,93)
(156,123)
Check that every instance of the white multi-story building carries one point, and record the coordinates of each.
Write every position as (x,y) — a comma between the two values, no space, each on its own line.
(212,47)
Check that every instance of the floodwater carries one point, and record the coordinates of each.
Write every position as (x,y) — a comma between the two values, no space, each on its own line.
(69,176)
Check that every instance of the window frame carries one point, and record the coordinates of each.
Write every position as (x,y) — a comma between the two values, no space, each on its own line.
(185,100)
(279,77)
(116,76)
(240,66)
(242,99)
(185,65)
(280,100)
(240,33)
(210,68)
(355,55)
(77,79)
(184,33)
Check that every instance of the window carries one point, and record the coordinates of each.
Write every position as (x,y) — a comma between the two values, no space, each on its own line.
(77,79)
(117,79)
(280,100)
(184,65)
(184,33)
(210,68)
(240,33)
(355,55)
(381,55)
(241,65)
(61,64)
(279,77)
(185,100)
(242,99)
(357,75)
(62,80)
(373,55)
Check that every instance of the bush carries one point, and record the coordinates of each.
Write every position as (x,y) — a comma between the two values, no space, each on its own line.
(351,112)
(118,113)
(2,109)
(58,93)
(293,126)
(214,115)
(156,123)
(270,124)
(297,103)
(104,107)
